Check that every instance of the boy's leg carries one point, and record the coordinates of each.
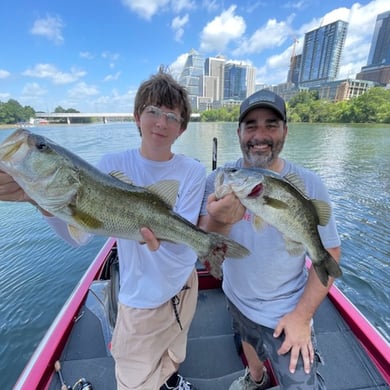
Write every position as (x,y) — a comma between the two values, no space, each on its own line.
(142,339)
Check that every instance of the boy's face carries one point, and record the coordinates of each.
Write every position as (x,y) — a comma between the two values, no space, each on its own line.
(160,126)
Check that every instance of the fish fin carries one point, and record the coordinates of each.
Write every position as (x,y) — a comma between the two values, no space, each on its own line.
(323,210)
(77,234)
(296,182)
(294,248)
(87,220)
(275,203)
(121,176)
(327,267)
(167,190)
(258,223)
(220,246)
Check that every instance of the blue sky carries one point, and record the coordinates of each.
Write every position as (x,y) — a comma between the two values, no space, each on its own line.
(92,55)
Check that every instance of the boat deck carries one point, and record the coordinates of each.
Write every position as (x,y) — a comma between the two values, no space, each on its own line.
(212,361)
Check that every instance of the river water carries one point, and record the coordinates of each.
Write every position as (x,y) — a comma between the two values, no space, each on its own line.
(38,271)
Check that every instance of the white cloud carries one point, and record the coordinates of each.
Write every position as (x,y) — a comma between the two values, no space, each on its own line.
(50,28)
(210,5)
(110,56)
(112,77)
(48,71)
(114,102)
(81,90)
(276,33)
(181,5)
(4,96)
(145,9)
(4,74)
(223,29)
(177,66)
(87,55)
(177,26)
(32,90)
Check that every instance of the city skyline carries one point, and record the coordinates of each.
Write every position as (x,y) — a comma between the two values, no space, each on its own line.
(93,59)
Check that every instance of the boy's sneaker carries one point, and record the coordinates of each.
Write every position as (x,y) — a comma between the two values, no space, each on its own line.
(247,383)
(181,384)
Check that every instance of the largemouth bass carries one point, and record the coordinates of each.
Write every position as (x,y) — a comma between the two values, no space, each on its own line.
(90,201)
(282,203)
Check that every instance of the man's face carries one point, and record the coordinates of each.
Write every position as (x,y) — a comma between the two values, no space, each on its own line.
(261,135)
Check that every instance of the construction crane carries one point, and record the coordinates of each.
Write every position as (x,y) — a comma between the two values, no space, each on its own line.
(292,61)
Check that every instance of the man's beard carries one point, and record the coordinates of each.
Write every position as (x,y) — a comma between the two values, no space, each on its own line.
(258,159)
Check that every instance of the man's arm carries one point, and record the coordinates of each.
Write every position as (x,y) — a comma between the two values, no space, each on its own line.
(296,325)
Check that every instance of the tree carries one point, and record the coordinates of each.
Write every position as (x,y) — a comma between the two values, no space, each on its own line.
(12,112)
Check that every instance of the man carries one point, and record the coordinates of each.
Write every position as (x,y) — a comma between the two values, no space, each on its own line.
(271,296)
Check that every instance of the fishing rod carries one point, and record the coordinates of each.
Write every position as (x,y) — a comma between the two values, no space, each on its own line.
(214,157)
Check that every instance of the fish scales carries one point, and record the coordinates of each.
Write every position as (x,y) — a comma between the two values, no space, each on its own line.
(284,205)
(88,200)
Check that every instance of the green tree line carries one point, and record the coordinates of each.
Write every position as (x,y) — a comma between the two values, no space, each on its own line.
(12,112)
(371,107)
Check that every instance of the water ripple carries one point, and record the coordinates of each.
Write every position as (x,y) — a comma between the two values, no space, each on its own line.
(38,271)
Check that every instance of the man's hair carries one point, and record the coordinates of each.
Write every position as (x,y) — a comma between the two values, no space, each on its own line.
(163,90)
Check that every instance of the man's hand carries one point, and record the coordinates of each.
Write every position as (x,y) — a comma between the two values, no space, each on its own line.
(227,210)
(222,214)
(149,239)
(297,333)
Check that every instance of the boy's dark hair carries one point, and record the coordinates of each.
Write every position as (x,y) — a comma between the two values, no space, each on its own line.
(163,90)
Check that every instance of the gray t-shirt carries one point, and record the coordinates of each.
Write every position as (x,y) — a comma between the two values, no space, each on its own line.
(269,282)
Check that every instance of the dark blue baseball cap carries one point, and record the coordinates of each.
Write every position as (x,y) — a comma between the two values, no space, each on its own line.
(266,99)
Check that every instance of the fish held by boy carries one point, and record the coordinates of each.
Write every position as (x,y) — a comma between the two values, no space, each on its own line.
(280,202)
(90,201)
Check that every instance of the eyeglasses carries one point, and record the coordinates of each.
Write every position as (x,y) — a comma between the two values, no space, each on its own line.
(156,113)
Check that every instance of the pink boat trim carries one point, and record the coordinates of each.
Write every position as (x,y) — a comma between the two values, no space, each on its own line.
(40,367)
(372,341)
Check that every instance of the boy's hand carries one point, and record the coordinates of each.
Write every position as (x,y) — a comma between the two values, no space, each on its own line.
(150,239)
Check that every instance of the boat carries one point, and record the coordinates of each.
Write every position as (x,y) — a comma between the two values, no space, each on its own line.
(75,351)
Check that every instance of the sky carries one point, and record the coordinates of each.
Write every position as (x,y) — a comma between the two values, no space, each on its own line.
(92,55)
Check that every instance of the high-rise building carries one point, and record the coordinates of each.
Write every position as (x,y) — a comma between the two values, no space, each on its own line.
(295,66)
(191,77)
(380,44)
(214,78)
(322,49)
(239,81)
(378,64)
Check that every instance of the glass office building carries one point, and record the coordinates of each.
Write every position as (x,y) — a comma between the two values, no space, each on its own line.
(321,55)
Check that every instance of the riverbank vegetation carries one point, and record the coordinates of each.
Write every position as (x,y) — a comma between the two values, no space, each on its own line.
(371,107)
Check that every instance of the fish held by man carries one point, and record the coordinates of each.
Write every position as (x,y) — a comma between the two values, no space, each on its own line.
(282,203)
(90,201)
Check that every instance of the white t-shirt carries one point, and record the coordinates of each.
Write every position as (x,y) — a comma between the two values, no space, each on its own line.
(269,282)
(149,279)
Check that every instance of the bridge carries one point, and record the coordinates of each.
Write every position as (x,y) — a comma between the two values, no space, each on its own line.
(103,115)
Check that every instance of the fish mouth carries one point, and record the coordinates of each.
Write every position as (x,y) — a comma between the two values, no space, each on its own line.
(257,190)
(12,144)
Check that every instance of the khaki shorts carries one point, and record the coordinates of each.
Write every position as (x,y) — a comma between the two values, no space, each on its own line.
(148,344)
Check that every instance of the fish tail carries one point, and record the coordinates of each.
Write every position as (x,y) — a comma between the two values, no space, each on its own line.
(328,266)
(220,247)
